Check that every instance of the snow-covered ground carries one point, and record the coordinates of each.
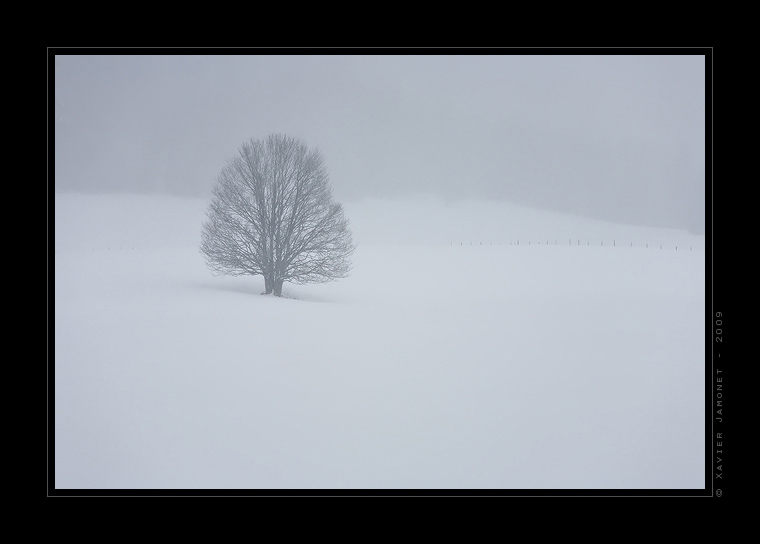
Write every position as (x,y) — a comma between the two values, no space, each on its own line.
(451,358)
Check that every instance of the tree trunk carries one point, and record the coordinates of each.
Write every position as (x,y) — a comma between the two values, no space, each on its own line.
(268,285)
(278,288)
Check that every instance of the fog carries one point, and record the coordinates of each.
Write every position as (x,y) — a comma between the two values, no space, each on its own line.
(613,137)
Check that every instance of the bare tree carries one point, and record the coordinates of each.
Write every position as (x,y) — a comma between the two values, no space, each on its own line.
(272,214)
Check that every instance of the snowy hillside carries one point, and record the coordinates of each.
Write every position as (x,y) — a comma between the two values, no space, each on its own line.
(451,358)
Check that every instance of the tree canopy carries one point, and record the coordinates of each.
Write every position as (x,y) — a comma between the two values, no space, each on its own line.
(272,214)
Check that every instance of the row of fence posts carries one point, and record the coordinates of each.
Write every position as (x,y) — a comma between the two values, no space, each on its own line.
(570,242)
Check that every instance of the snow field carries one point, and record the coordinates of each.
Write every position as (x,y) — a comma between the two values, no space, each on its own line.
(431,366)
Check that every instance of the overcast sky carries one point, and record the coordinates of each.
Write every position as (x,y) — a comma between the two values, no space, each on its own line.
(615,137)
